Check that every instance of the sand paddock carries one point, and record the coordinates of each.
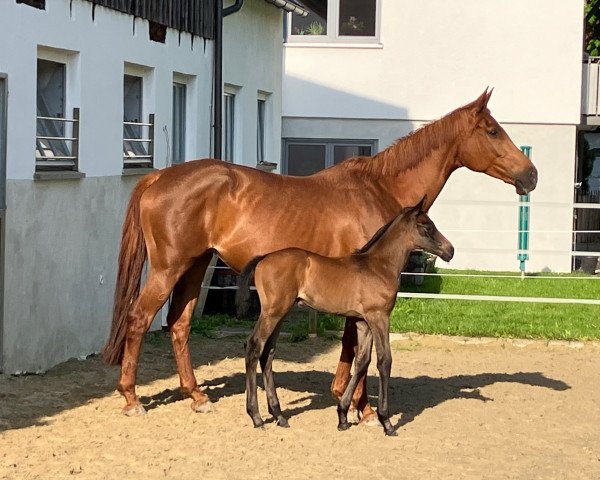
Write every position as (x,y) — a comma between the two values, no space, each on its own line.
(493,410)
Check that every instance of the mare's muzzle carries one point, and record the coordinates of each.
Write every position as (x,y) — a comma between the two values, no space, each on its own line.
(527,181)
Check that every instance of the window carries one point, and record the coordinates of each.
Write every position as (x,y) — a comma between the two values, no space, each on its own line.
(228,126)
(179,119)
(305,157)
(260,130)
(335,21)
(138,136)
(56,134)
(41,4)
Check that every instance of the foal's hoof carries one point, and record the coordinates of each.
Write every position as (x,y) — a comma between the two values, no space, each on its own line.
(282,422)
(343,426)
(390,432)
(259,424)
(133,410)
(202,406)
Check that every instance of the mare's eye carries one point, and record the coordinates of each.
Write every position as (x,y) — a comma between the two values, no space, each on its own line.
(493,133)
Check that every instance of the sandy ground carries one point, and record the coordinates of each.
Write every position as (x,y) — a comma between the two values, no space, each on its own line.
(494,410)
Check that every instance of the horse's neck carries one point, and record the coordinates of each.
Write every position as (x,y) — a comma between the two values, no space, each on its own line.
(415,167)
(391,251)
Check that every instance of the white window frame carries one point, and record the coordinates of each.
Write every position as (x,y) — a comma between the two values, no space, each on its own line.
(191,113)
(232,91)
(265,98)
(71,98)
(329,143)
(147,113)
(332,36)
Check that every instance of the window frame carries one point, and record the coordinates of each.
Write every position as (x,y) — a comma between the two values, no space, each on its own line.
(333,36)
(179,138)
(329,143)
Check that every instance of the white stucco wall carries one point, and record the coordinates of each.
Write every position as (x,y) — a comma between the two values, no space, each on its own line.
(435,56)
(252,65)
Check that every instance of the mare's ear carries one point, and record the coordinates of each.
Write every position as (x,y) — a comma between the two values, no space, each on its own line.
(481,103)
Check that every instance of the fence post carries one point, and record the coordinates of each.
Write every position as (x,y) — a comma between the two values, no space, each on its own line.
(523,253)
(151,134)
(75,142)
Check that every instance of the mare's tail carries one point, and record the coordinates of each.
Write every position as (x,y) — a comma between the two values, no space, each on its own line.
(131,262)
(242,296)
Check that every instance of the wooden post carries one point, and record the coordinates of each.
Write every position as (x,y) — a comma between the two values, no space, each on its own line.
(205,284)
(312,323)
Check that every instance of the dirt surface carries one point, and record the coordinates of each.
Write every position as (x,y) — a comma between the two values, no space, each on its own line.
(493,410)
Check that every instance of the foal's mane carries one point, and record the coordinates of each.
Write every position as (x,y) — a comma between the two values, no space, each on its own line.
(407,152)
(378,234)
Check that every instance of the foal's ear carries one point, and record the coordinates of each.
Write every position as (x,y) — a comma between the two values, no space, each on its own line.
(481,103)
(418,208)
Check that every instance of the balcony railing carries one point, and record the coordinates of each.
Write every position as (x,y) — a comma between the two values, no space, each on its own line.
(57,143)
(138,144)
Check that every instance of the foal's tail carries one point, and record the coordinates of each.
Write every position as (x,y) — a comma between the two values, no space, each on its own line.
(242,296)
(131,262)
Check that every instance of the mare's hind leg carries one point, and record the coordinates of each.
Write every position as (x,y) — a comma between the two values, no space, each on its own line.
(339,384)
(151,299)
(363,358)
(266,365)
(185,297)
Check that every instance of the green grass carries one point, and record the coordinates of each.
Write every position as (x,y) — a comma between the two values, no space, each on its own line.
(470,318)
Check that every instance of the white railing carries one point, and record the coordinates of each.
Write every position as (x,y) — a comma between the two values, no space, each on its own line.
(57,143)
(138,144)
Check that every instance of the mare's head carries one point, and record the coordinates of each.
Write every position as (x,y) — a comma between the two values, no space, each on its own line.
(487,148)
(425,235)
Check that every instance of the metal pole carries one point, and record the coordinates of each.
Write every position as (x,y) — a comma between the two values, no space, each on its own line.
(523,242)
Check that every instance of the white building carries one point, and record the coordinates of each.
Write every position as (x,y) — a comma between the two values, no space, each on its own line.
(360,74)
(115,95)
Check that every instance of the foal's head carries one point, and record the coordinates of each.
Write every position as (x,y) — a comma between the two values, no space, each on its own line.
(487,148)
(424,234)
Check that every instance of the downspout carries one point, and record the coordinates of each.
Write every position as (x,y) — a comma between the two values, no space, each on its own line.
(220,13)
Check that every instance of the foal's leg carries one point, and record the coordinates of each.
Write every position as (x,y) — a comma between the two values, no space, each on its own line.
(360,401)
(151,299)
(266,365)
(363,358)
(380,325)
(185,297)
(264,328)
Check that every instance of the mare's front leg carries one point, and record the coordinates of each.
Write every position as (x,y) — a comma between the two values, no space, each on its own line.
(363,358)
(179,318)
(380,325)
(266,365)
(339,384)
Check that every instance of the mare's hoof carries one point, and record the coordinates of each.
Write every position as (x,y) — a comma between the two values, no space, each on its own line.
(343,426)
(200,406)
(134,410)
(282,422)
(353,415)
(370,421)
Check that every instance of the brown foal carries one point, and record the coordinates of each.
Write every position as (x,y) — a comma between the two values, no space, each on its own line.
(179,216)
(362,285)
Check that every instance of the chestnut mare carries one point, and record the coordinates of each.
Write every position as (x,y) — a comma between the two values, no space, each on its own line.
(179,216)
(363,285)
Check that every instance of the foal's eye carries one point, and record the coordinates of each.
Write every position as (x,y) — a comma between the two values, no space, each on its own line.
(493,133)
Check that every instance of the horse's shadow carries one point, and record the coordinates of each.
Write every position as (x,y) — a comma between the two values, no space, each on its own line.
(408,397)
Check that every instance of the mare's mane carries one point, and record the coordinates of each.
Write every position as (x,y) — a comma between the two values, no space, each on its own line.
(407,152)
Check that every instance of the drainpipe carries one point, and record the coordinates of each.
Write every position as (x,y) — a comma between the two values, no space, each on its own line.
(220,13)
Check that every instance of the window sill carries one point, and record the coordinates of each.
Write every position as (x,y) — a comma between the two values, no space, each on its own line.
(357,45)
(266,166)
(128,172)
(66,175)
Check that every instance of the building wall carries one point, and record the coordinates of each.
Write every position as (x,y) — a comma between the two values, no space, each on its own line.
(423,69)
(62,236)
(252,66)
